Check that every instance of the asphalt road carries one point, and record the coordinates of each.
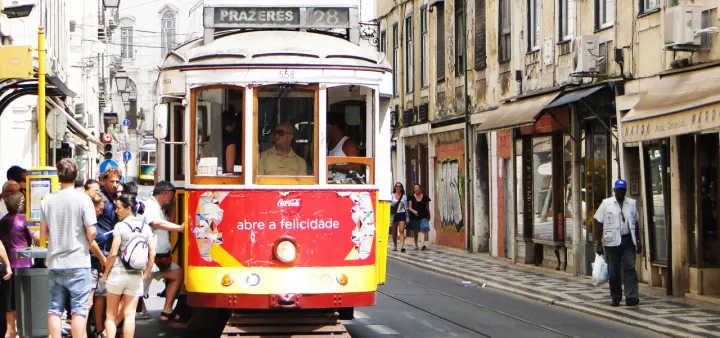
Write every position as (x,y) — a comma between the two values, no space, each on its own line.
(416,303)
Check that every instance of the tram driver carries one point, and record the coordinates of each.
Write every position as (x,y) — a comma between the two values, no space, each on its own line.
(281,160)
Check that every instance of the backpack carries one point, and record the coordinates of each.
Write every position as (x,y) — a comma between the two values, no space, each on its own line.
(135,254)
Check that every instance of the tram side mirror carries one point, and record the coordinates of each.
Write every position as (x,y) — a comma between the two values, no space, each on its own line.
(160,126)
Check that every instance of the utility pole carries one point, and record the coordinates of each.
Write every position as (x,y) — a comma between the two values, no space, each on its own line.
(41,93)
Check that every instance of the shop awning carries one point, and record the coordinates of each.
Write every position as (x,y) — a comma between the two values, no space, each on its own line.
(74,126)
(517,114)
(679,104)
(574,96)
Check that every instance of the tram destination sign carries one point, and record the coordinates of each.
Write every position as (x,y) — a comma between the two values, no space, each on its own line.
(269,17)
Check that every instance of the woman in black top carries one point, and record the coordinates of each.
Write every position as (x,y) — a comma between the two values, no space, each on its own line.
(419,207)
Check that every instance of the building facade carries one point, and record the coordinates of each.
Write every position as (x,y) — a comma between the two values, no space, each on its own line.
(561,96)
(18,96)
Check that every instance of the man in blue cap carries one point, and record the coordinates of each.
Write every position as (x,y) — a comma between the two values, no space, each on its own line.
(616,228)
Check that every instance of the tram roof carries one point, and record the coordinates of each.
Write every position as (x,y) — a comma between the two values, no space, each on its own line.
(274,48)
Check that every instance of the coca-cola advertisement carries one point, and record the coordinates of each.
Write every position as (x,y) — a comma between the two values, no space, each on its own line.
(240,227)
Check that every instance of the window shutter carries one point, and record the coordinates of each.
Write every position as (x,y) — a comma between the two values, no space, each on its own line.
(423,115)
(480,38)
(440,59)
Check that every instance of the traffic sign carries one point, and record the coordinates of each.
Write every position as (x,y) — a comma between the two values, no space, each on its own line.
(104,165)
(126,123)
(107,138)
(127,156)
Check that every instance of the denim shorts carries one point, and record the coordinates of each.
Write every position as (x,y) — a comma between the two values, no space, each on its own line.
(424,225)
(70,283)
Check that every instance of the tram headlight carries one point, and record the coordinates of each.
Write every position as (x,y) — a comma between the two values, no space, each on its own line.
(286,249)
(227,280)
(342,279)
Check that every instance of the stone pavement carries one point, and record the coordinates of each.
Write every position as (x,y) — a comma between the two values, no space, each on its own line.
(673,316)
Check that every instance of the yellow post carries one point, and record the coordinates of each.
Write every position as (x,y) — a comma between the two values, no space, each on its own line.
(41,97)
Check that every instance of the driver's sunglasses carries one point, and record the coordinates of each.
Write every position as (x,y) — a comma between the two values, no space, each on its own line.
(281,132)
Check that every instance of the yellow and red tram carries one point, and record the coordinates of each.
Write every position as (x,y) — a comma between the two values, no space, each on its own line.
(284,206)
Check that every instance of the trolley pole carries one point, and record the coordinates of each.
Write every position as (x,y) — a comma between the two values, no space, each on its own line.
(41,97)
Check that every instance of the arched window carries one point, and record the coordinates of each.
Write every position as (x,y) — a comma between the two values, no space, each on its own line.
(168,33)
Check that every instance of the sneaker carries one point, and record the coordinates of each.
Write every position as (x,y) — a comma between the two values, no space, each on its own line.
(615,303)
(142,315)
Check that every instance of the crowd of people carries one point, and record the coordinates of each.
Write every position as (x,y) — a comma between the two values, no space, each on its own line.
(92,229)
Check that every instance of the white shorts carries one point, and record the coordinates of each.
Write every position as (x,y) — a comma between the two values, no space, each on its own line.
(120,283)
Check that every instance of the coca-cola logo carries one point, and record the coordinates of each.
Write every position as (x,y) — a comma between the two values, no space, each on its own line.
(290,202)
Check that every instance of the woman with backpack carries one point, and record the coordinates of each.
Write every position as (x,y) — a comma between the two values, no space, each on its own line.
(129,263)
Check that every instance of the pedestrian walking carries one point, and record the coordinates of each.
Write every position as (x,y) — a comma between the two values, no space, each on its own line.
(398,209)
(124,281)
(67,220)
(15,236)
(418,204)
(616,227)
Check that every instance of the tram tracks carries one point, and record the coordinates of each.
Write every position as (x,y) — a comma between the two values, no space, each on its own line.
(473,304)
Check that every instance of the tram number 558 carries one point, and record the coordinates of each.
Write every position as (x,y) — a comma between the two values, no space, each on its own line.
(286,75)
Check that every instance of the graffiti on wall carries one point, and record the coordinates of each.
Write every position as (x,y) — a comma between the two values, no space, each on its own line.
(449,196)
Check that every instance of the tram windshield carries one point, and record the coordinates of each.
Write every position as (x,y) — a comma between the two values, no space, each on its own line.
(349,135)
(286,133)
(218,131)
(147,157)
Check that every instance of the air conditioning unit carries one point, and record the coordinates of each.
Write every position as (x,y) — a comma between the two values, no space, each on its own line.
(681,22)
(585,55)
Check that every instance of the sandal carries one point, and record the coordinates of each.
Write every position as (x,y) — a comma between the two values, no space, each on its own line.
(395,249)
(402,250)
(166,315)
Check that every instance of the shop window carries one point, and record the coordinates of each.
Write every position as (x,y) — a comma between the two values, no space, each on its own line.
(657,187)
(542,188)
(707,187)
(568,189)
(519,195)
(218,129)
(349,135)
(286,134)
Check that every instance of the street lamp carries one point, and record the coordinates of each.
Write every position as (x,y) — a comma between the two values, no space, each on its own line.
(121,80)
(125,96)
(111,3)
(18,11)
(133,96)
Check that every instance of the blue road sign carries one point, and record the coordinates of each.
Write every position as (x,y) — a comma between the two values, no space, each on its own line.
(126,122)
(127,156)
(107,164)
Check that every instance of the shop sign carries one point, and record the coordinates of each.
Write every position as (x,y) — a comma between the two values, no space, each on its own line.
(686,122)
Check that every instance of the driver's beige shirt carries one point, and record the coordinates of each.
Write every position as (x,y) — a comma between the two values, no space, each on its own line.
(274,164)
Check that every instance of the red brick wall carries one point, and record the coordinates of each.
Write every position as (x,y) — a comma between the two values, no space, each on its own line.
(504,151)
(448,157)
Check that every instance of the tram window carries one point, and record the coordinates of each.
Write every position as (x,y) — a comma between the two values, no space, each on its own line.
(349,135)
(178,136)
(286,135)
(218,132)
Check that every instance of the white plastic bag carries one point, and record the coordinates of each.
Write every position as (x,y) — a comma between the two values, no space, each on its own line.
(600,271)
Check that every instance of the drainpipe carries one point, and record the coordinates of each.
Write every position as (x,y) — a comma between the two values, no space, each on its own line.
(469,225)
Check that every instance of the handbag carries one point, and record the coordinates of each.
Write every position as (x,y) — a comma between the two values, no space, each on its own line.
(394,208)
